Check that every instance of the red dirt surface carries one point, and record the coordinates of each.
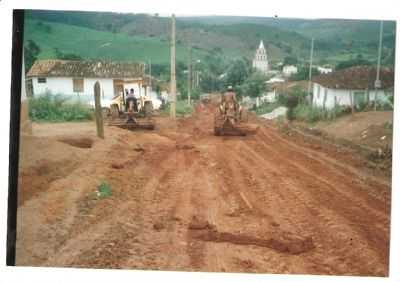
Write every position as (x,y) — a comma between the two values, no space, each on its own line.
(183,199)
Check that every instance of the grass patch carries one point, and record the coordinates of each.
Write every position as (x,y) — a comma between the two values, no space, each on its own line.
(266,108)
(310,114)
(104,190)
(182,109)
(57,108)
(95,44)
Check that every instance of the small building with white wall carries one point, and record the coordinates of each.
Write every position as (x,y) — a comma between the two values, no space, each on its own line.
(324,70)
(351,87)
(77,78)
(289,70)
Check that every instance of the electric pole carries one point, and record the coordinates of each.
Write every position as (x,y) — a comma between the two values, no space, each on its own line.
(189,74)
(150,82)
(173,71)
(378,67)
(310,71)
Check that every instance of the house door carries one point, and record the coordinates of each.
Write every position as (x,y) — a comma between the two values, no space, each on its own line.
(29,88)
(359,99)
(118,86)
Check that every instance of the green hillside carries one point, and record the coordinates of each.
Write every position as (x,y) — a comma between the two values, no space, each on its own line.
(94,44)
(116,36)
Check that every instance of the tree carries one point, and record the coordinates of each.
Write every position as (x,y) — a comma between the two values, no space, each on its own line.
(303,73)
(31,51)
(358,61)
(66,56)
(254,86)
(238,72)
(290,60)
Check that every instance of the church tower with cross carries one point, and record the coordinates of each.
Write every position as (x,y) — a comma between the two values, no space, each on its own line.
(260,61)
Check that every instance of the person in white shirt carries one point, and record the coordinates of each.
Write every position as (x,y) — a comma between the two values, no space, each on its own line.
(131,97)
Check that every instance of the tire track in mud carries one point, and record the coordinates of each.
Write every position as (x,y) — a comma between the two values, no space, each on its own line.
(324,159)
(288,196)
(290,213)
(324,173)
(205,207)
(99,241)
(167,213)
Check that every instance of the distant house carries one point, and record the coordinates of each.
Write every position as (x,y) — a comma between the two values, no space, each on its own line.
(77,78)
(288,88)
(351,86)
(275,79)
(289,70)
(324,70)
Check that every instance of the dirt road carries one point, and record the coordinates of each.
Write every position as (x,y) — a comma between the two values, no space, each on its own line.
(183,199)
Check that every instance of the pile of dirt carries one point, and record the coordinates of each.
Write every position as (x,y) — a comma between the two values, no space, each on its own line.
(80,142)
(284,242)
(43,160)
(372,129)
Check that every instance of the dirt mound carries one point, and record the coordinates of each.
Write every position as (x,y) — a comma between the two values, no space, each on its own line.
(81,142)
(284,242)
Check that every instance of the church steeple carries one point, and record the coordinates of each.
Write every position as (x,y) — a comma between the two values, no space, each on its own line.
(260,61)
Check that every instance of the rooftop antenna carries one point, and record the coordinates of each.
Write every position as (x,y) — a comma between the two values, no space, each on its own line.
(378,83)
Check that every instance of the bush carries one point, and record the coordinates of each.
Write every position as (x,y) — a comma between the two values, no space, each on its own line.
(182,109)
(104,190)
(308,113)
(54,108)
(266,108)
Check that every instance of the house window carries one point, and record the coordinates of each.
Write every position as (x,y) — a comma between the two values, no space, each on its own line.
(41,80)
(78,84)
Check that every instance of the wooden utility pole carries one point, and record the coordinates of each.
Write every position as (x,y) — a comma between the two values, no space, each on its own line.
(189,74)
(173,74)
(98,111)
(310,71)
(378,67)
(150,82)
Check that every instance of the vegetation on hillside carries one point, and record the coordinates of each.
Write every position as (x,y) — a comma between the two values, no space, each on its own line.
(99,45)
(335,40)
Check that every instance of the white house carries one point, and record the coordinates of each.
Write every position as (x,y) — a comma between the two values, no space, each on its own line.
(275,79)
(77,78)
(351,86)
(289,70)
(324,70)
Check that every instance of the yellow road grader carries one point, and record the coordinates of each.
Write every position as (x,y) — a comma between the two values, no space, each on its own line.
(128,116)
(230,118)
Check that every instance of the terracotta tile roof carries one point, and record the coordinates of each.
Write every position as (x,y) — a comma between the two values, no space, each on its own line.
(95,69)
(357,78)
(288,86)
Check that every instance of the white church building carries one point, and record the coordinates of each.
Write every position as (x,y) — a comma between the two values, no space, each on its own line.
(260,61)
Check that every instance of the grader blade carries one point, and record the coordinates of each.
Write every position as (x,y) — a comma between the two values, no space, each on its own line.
(134,124)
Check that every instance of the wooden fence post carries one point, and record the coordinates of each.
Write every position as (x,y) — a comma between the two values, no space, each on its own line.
(98,111)
(351,101)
